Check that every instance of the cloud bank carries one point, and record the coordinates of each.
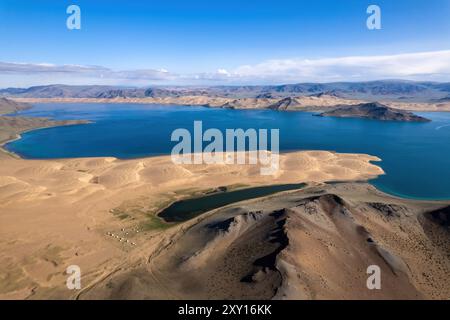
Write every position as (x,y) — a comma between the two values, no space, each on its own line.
(434,65)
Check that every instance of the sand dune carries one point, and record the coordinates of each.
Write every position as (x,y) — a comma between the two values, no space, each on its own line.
(64,208)
(100,214)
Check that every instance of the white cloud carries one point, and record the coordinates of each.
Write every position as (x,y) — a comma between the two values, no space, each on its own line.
(434,65)
(46,73)
(223,71)
(414,66)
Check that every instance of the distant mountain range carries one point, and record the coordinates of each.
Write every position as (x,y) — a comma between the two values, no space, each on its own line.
(387,90)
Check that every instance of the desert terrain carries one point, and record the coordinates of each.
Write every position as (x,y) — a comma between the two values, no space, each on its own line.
(57,213)
(313,243)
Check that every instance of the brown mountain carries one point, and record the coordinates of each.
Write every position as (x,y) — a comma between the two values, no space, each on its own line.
(284,104)
(10,106)
(373,110)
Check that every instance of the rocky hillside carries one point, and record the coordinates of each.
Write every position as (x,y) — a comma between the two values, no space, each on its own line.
(10,106)
(373,110)
(315,243)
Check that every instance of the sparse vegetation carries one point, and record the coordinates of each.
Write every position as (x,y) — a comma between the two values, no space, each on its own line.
(153,222)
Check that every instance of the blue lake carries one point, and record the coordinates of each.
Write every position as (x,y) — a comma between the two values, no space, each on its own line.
(416,156)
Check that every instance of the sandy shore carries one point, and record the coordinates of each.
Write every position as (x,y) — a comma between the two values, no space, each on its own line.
(57,213)
(12,127)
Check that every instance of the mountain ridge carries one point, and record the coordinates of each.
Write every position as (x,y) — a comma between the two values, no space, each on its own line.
(395,90)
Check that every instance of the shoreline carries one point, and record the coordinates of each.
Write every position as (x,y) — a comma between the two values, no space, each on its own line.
(401,196)
(384,191)
(10,153)
(18,136)
(316,104)
(83,209)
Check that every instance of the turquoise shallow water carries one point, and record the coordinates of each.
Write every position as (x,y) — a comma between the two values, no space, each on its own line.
(416,156)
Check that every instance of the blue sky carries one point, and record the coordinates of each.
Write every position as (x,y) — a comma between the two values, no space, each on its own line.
(211,41)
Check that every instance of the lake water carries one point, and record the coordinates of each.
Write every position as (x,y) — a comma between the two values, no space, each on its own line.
(416,156)
(187,209)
